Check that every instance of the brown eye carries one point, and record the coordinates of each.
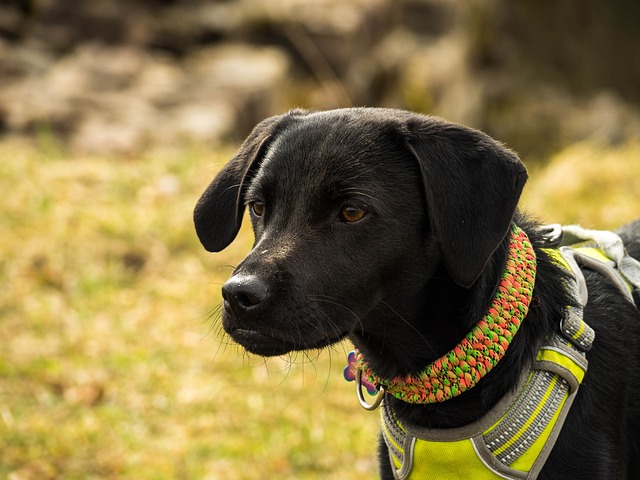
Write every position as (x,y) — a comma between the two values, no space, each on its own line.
(351,214)
(257,208)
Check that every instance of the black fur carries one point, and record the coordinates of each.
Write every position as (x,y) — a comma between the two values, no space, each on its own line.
(409,280)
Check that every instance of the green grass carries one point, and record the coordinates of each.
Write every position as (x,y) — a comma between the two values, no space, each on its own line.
(112,362)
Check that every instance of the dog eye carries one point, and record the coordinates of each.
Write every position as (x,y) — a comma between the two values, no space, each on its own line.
(257,208)
(351,214)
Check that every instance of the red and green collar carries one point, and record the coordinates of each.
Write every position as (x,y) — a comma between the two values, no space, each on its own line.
(481,349)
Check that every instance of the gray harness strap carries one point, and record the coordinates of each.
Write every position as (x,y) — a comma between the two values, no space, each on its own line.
(622,270)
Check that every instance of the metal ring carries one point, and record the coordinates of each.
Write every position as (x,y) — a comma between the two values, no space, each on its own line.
(377,400)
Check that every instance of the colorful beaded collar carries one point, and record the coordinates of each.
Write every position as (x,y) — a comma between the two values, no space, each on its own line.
(482,348)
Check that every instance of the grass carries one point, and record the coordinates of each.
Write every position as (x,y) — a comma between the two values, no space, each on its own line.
(589,184)
(112,363)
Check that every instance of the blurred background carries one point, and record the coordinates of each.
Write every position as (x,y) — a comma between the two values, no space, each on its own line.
(114,115)
(119,75)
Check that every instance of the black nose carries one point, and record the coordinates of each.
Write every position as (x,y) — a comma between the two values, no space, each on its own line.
(243,294)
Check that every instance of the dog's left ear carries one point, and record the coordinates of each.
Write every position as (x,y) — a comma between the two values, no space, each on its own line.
(472,186)
(218,214)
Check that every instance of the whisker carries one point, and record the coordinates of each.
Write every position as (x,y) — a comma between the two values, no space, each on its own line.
(216,331)
(410,326)
(318,326)
(330,300)
(227,267)
(307,360)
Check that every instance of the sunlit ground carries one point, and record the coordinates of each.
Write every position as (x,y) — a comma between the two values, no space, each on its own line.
(112,361)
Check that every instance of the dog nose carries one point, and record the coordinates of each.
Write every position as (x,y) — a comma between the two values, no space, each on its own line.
(243,294)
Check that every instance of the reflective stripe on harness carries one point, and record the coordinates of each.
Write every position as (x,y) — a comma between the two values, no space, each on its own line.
(512,441)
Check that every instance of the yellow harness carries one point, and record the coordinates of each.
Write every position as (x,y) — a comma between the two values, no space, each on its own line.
(514,439)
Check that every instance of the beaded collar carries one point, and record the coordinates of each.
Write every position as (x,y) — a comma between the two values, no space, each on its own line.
(481,349)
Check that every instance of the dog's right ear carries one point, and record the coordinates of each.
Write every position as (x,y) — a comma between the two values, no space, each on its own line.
(472,186)
(218,214)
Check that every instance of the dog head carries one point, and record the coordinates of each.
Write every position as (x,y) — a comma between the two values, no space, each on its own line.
(353,210)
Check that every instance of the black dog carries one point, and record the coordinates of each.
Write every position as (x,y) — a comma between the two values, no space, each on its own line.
(391,229)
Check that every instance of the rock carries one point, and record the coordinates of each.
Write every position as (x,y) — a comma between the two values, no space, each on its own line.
(549,119)
(251,80)
(209,121)
(114,123)
(118,75)
(121,98)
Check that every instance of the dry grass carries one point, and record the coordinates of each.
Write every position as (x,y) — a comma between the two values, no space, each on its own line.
(112,364)
(596,186)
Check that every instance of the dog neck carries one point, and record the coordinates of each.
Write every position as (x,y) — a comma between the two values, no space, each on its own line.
(482,348)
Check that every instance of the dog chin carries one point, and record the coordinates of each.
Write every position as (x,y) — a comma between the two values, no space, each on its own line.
(269,346)
(260,344)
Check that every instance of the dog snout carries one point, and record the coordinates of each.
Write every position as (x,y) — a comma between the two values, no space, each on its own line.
(244,294)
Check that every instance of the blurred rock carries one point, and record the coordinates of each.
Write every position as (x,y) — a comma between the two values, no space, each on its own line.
(122,98)
(548,119)
(120,75)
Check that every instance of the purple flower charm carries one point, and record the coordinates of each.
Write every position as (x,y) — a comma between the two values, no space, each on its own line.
(350,373)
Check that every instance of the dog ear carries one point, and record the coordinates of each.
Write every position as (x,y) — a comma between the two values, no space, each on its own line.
(472,186)
(218,213)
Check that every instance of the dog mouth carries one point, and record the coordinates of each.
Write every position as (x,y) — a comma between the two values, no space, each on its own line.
(270,344)
(260,343)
